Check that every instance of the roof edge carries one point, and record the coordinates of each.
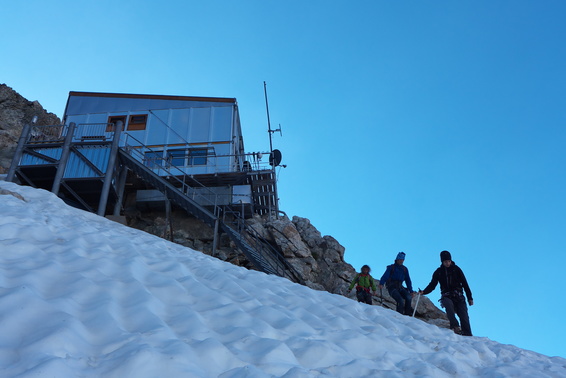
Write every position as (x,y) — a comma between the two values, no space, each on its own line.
(152,97)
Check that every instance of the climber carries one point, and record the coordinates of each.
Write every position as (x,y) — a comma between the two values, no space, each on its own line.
(364,281)
(393,279)
(452,285)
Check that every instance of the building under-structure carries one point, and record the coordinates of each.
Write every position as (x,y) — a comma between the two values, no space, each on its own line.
(188,151)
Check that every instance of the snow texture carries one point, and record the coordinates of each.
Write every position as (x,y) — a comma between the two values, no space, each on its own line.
(83,296)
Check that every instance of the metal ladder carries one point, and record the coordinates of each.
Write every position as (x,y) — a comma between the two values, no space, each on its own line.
(257,250)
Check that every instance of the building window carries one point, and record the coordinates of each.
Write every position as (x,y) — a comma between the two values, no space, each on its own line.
(112,120)
(198,156)
(176,157)
(152,159)
(137,122)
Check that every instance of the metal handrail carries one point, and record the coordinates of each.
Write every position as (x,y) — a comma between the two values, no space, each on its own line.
(94,132)
(254,239)
(49,133)
(162,171)
(162,167)
(275,252)
(259,243)
(255,163)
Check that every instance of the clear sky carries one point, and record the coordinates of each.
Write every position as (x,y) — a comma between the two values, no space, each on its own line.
(411,126)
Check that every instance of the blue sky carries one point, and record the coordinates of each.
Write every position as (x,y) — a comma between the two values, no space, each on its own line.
(407,126)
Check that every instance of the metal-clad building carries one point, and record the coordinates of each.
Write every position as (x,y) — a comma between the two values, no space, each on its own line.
(195,134)
(195,143)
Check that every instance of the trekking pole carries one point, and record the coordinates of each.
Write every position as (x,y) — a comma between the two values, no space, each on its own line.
(417,304)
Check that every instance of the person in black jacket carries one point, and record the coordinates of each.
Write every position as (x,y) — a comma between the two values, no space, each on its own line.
(452,285)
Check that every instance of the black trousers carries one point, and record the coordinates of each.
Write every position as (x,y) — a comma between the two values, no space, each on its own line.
(456,305)
(364,296)
(403,299)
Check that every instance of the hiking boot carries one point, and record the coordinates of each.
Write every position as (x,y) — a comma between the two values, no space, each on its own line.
(457,330)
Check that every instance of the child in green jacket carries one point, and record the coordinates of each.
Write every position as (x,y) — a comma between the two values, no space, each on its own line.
(363,281)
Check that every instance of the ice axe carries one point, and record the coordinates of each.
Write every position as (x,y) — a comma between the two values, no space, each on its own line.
(417,304)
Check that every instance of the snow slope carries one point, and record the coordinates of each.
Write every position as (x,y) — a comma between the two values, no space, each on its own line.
(82,296)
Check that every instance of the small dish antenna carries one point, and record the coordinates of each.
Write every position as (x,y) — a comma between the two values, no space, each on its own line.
(275,158)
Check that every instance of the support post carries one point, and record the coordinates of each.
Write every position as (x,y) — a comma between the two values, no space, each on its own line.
(275,195)
(19,152)
(121,185)
(110,170)
(64,158)
(215,240)
(168,221)
(269,204)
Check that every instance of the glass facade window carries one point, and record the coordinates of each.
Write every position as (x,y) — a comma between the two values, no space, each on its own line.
(112,120)
(176,157)
(152,159)
(137,122)
(198,156)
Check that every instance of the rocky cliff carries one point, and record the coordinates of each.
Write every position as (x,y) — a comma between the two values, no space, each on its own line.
(15,111)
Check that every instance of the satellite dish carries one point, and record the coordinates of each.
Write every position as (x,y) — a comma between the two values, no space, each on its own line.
(247,166)
(275,158)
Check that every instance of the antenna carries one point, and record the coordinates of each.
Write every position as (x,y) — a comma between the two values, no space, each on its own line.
(276,130)
(274,155)
(268,120)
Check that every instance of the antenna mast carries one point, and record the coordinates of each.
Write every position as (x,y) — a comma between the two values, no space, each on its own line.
(274,156)
(268,120)
(269,130)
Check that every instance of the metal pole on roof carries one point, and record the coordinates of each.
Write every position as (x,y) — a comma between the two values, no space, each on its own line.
(270,132)
(268,120)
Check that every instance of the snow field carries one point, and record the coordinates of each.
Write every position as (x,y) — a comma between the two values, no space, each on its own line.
(83,296)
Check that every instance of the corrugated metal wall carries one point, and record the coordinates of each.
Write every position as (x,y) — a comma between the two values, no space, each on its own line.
(54,153)
(77,168)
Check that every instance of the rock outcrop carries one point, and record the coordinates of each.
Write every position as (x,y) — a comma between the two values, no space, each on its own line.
(320,262)
(15,111)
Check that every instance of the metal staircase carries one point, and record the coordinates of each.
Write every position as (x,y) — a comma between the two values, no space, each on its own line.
(257,250)
(48,148)
(166,187)
(268,257)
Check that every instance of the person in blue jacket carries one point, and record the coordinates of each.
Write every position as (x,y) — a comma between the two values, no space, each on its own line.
(393,279)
